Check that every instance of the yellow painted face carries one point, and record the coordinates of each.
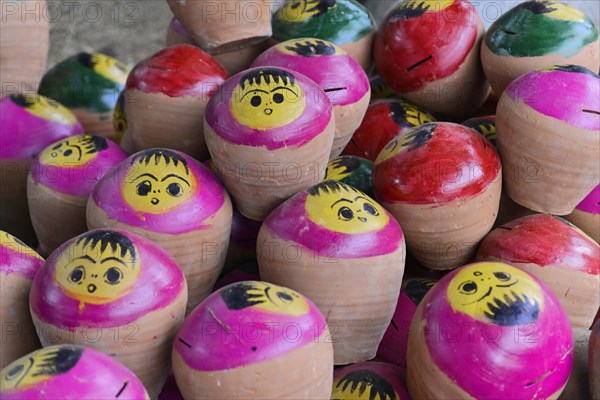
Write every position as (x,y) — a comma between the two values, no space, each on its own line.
(301,10)
(265,297)
(39,366)
(46,108)
(411,139)
(110,68)
(155,184)
(496,293)
(74,151)
(363,384)
(342,208)
(10,242)
(267,98)
(98,271)
(119,118)
(562,11)
(337,170)
(310,48)
(415,116)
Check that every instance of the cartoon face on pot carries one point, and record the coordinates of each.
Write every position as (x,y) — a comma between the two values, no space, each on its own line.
(496,293)
(105,66)
(98,268)
(157,181)
(310,48)
(267,98)
(416,8)
(301,10)
(363,384)
(264,297)
(76,150)
(44,107)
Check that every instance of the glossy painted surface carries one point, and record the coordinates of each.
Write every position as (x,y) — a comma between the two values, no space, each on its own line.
(538,28)
(293,119)
(328,231)
(89,81)
(178,71)
(369,380)
(507,346)
(591,203)
(161,191)
(567,92)
(69,372)
(74,165)
(247,323)
(485,125)
(29,123)
(384,120)
(339,21)
(16,257)
(543,240)
(422,42)
(353,171)
(338,74)
(435,163)
(123,278)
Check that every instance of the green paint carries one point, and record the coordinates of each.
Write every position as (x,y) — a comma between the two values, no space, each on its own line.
(523,33)
(358,172)
(78,86)
(345,22)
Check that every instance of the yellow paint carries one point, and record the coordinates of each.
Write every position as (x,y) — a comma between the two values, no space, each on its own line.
(336,170)
(74,151)
(392,148)
(563,11)
(416,116)
(363,385)
(301,10)
(110,68)
(432,5)
(314,46)
(49,109)
(276,299)
(10,242)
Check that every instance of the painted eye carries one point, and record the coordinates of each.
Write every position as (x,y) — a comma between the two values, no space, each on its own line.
(174,189)
(255,101)
(14,372)
(468,287)
(113,275)
(286,298)
(58,146)
(77,275)
(143,188)
(370,209)
(502,276)
(345,214)
(68,153)
(278,98)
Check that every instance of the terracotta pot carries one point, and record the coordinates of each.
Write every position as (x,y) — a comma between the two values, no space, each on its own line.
(29,124)
(369,380)
(549,138)
(176,202)
(176,34)
(586,215)
(515,342)
(268,147)
(534,35)
(69,372)
(557,253)
(594,361)
(242,241)
(60,182)
(338,74)
(484,125)
(177,82)
(353,171)
(18,265)
(224,349)
(89,85)
(226,25)
(23,45)
(384,119)
(428,52)
(326,242)
(116,292)
(442,182)
(346,23)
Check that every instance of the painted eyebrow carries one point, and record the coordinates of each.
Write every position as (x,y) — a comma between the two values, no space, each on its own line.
(253,91)
(286,88)
(174,176)
(113,259)
(145,174)
(86,257)
(349,201)
(364,198)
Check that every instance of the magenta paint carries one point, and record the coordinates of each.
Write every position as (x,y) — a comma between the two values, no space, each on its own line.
(177,26)
(158,284)
(170,391)
(372,372)
(242,337)
(17,258)
(591,203)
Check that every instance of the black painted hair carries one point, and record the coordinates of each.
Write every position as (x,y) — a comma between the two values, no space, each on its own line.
(349,163)
(330,186)
(21,100)
(398,114)
(417,288)
(255,77)
(321,6)
(310,48)
(107,238)
(238,296)
(538,7)
(409,9)
(420,136)
(574,68)
(360,380)
(168,155)
(93,144)
(59,361)
(85,59)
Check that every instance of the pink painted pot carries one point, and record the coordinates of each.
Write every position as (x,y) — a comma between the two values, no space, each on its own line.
(586,215)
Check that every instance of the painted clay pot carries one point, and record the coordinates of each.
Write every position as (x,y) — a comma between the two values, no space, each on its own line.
(18,265)
(594,361)
(176,202)
(69,372)
(369,380)
(242,241)
(240,60)
(347,23)
(89,85)
(535,34)
(338,74)
(116,292)
(327,242)
(557,253)
(269,132)
(549,138)
(176,34)
(24,45)
(485,125)
(59,184)
(254,339)
(428,52)
(393,345)
(28,123)
(226,25)
(586,215)
(178,82)
(353,171)
(514,342)
(384,119)
(442,182)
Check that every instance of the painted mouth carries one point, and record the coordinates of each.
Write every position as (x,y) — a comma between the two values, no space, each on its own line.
(268,111)
(485,295)
(91,288)
(154,201)
(362,219)
(54,154)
